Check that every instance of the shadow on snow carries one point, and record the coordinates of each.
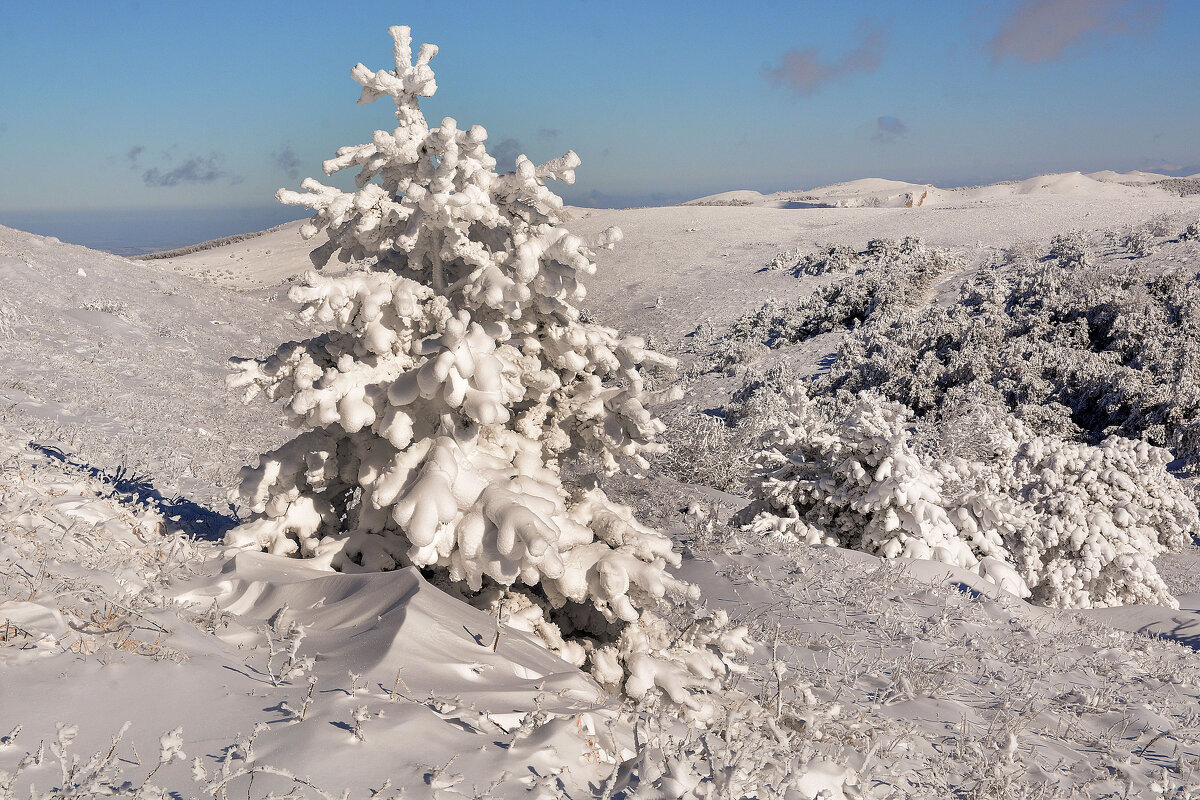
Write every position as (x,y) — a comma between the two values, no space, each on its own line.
(197,521)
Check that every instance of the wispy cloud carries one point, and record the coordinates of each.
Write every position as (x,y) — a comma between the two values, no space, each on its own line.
(548,134)
(193,170)
(807,71)
(287,160)
(506,153)
(1047,30)
(196,169)
(888,129)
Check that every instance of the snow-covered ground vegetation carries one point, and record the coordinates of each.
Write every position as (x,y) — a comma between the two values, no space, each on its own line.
(889,276)
(1006,414)
(1065,523)
(1085,350)
(1043,395)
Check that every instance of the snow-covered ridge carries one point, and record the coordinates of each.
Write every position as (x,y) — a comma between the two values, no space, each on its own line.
(884,193)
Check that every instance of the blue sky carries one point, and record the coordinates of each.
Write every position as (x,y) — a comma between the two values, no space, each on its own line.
(108,108)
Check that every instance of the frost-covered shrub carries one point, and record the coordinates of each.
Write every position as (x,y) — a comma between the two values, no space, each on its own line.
(1093,354)
(1160,226)
(735,201)
(1067,523)
(1022,253)
(1071,250)
(456,374)
(854,482)
(831,258)
(787,259)
(118,308)
(753,753)
(760,403)
(731,355)
(702,449)
(1191,233)
(715,450)
(890,275)
(1139,243)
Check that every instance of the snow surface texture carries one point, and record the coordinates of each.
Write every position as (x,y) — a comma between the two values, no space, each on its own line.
(128,338)
(107,619)
(457,373)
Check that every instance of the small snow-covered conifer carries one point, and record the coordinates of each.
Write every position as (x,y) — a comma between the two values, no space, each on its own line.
(456,373)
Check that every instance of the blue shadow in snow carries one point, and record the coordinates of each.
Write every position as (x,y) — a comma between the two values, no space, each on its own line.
(197,521)
(974,594)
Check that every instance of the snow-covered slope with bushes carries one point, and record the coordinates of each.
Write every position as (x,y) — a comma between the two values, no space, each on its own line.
(272,674)
(140,655)
(1103,723)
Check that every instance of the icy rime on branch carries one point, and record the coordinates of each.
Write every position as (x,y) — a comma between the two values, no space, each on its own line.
(456,373)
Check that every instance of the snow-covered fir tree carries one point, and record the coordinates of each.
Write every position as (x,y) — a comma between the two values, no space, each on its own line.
(456,374)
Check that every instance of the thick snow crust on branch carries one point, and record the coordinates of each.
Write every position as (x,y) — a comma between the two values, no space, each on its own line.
(455,373)
(1065,523)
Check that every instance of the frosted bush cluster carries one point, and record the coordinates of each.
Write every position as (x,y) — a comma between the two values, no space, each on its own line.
(890,275)
(831,258)
(1139,243)
(1071,250)
(786,259)
(703,449)
(753,755)
(716,450)
(1065,523)
(456,373)
(1087,354)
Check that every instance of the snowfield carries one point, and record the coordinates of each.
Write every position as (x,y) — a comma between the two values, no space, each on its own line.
(919,679)
(875,490)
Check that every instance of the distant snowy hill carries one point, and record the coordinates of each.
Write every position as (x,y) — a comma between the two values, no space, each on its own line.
(882,193)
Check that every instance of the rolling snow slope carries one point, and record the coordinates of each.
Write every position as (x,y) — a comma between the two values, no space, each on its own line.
(948,683)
